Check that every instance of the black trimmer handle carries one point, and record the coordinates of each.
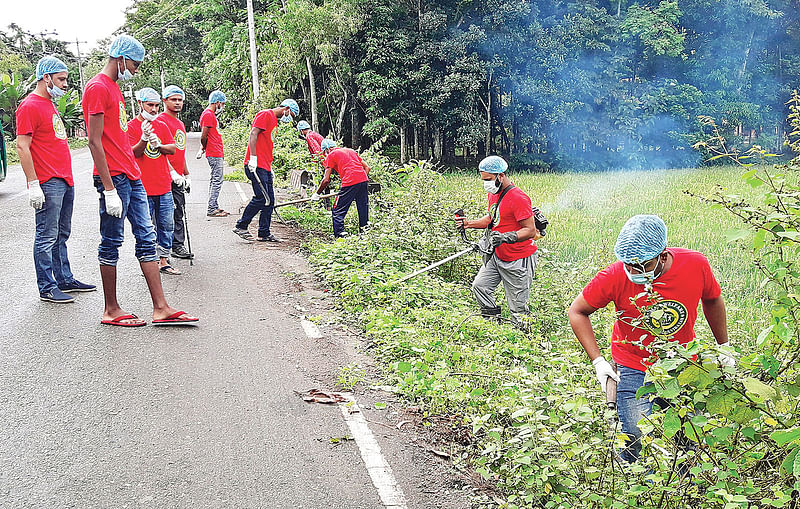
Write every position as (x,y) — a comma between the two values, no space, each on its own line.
(460,213)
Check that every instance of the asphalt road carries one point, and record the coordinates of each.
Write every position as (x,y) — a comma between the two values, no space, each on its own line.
(206,416)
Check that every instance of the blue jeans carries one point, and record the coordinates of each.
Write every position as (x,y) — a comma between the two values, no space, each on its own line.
(53,226)
(217,165)
(631,410)
(347,195)
(162,213)
(112,229)
(258,203)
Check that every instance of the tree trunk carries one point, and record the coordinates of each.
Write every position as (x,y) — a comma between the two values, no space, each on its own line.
(312,86)
(403,149)
(355,126)
(416,143)
(744,63)
(437,143)
(340,119)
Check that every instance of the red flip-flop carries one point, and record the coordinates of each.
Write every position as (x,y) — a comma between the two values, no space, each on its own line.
(175,318)
(118,321)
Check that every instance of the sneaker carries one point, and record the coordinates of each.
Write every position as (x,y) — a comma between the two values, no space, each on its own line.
(57,296)
(181,252)
(76,286)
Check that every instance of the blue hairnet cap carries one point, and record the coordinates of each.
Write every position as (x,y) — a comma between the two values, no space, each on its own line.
(327,143)
(128,47)
(173,90)
(147,94)
(216,97)
(642,238)
(493,164)
(303,125)
(49,65)
(293,107)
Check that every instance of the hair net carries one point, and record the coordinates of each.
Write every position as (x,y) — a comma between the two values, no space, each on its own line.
(49,65)
(173,90)
(303,125)
(216,97)
(293,107)
(128,47)
(147,94)
(493,164)
(327,143)
(642,238)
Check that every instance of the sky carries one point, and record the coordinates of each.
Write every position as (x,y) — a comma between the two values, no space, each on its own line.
(88,20)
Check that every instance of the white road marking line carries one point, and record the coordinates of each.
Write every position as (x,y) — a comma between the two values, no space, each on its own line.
(240,191)
(378,468)
(311,329)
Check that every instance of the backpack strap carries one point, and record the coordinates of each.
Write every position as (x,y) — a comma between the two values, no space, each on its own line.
(496,210)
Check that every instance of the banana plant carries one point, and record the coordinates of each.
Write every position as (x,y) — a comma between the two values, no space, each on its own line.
(13,88)
(69,107)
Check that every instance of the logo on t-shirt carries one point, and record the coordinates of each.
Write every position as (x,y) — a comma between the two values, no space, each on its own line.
(152,153)
(666,317)
(123,117)
(58,127)
(180,139)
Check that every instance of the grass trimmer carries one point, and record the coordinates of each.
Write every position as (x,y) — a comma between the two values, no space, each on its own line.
(303,200)
(481,247)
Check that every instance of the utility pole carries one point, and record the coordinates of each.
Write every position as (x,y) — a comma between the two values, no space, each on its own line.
(162,81)
(80,63)
(251,30)
(44,44)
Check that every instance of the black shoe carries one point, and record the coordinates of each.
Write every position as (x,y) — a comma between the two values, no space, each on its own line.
(268,238)
(243,233)
(76,286)
(181,252)
(57,296)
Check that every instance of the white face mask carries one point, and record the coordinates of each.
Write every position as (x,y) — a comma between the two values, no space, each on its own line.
(286,118)
(148,116)
(644,278)
(126,74)
(492,186)
(54,91)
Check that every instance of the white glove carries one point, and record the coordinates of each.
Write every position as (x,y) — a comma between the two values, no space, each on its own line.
(154,141)
(604,371)
(147,130)
(177,178)
(186,183)
(252,163)
(315,196)
(726,360)
(35,194)
(199,153)
(113,203)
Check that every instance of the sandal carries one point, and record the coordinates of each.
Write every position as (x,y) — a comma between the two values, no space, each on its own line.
(176,318)
(169,269)
(246,235)
(218,213)
(130,320)
(268,238)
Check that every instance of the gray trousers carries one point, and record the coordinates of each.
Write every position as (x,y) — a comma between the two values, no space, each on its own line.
(214,182)
(516,277)
(178,196)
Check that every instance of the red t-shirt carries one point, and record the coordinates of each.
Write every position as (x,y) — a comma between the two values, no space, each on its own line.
(38,117)
(314,141)
(515,207)
(688,280)
(267,122)
(155,170)
(214,140)
(347,164)
(102,95)
(178,131)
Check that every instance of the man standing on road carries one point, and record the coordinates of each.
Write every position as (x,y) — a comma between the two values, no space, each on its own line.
(510,233)
(151,141)
(47,164)
(258,168)
(313,139)
(354,176)
(118,180)
(211,141)
(173,102)
(681,278)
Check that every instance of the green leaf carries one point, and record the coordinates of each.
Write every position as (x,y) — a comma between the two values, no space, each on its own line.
(671,389)
(695,376)
(788,465)
(690,432)
(784,437)
(404,367)
(789,235)
(672,423)
(722,403)
(760,389)
(735,234)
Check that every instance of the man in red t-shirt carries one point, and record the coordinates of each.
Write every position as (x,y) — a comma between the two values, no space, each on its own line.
(679,278)
(118,180)
(151,141)
(173,105)
(354,177)
(258,168)
(313,139)
(211,141)
(510,230)
(47,164)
